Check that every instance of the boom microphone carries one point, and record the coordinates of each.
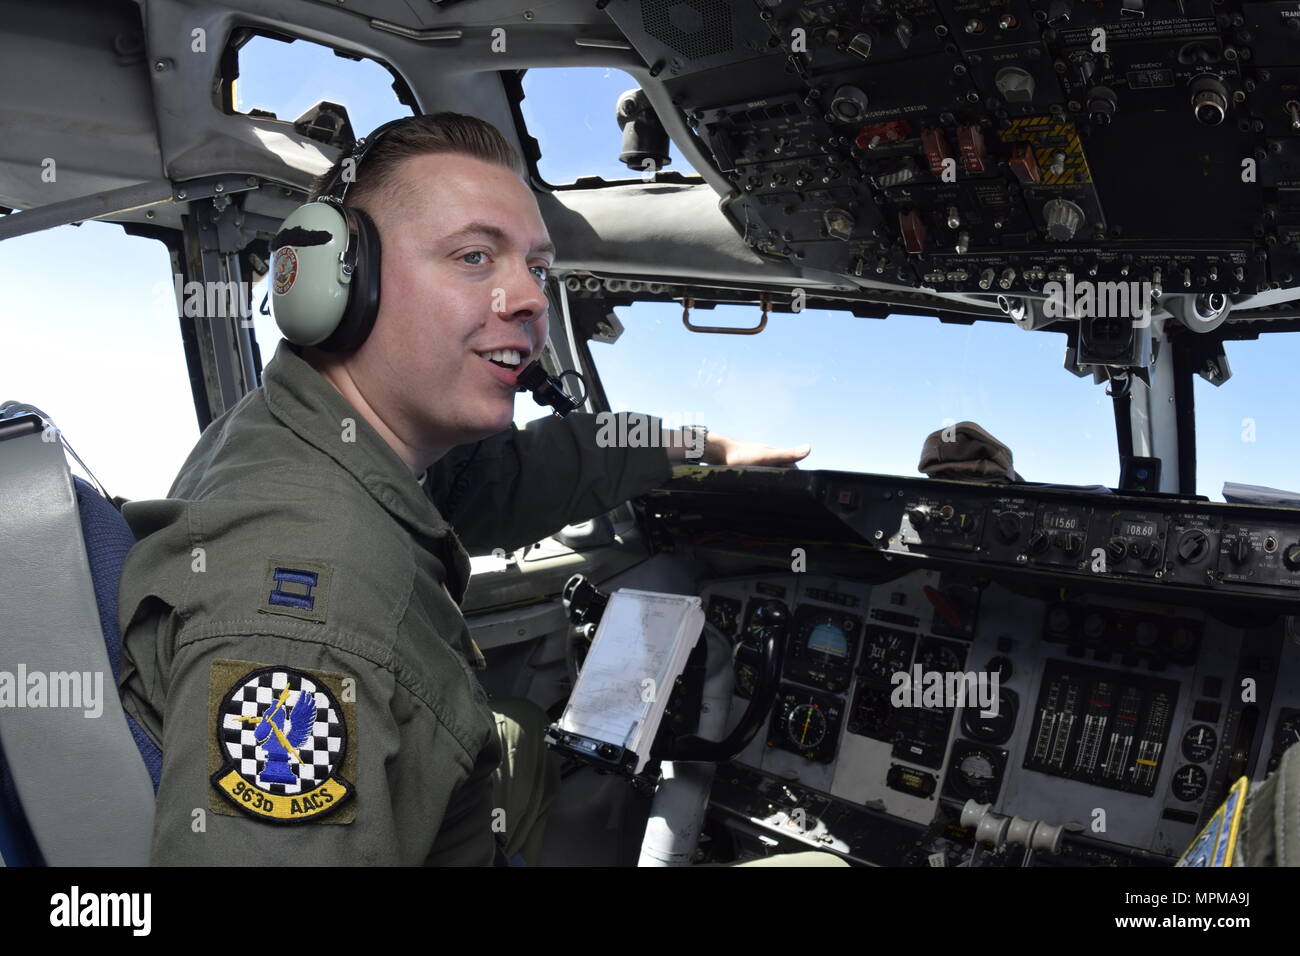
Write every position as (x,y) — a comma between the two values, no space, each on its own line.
(548,389)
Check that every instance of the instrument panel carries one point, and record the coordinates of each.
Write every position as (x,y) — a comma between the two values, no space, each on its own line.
(1000,145)
(1159,544)
(1156,545)
(1100,667)
(1114,725)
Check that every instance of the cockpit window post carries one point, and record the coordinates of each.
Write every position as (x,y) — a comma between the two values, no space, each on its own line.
(217,304)
(1153,416)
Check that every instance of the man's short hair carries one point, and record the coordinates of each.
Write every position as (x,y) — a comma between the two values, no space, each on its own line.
(431,134)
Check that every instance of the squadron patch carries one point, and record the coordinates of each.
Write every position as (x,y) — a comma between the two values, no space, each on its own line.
(283,750)
(1217,842)
(284,269)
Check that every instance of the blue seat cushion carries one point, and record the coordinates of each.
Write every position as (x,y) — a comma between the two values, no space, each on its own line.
(108,539)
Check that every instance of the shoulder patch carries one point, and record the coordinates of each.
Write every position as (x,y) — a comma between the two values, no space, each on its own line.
(284,745)
(296,589)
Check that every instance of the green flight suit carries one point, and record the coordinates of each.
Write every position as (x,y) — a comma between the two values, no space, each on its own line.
(292,637)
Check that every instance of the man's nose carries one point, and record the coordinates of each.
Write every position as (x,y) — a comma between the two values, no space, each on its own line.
(525,296)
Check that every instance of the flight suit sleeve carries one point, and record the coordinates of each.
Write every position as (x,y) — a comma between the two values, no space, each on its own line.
(1269,829)
(527,483)
(283,750)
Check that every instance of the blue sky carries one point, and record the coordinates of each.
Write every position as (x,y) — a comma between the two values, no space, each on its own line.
(88,323)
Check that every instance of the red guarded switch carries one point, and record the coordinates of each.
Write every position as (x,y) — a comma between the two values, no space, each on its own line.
(1024,165)
(913,230)
(935,146)
(970,140)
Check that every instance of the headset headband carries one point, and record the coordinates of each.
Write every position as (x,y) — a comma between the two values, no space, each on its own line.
(360,149)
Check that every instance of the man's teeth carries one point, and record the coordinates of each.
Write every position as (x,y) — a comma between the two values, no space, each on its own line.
(507,356)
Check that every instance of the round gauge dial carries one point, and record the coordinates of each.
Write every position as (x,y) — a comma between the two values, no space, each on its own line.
(887,652)
(1189,783)
(723,613)
(1199,743)
(806,723)
(1001,666)
(821,648)
(991,730)
(939,656)
(829,639)
(976,770)
(806,726)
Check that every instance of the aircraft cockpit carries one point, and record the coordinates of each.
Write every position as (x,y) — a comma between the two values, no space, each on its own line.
(1021,238)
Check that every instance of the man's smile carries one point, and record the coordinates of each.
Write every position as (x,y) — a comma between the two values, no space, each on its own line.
(510,358)
(504,364)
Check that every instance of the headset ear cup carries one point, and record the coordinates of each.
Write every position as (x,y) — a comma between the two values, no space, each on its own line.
(309,295)
(363,297)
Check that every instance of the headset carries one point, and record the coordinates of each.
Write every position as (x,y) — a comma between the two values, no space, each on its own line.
(325,265)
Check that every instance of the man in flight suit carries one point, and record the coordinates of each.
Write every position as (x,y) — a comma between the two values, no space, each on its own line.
(291,631)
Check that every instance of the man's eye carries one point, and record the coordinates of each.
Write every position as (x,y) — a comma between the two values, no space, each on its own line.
(545,272)
(478,252)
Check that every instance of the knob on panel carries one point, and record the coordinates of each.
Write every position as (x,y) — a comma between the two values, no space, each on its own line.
(1058,620)
(1015,85)
(1071,544)
(1063,219)
(1008,526)
(1193,546)
(849,103)
(1059,11)
(1291,557)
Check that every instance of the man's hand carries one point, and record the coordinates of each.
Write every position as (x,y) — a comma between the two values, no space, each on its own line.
(721,450)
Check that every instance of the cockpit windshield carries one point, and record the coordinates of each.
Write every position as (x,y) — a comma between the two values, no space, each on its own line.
(864,393)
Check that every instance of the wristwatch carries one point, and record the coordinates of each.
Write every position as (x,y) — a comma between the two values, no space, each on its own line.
(698,443)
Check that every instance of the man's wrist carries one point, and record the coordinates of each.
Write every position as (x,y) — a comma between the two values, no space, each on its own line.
(694,444)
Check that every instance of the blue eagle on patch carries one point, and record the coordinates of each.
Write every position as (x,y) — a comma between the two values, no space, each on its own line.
(278,743)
